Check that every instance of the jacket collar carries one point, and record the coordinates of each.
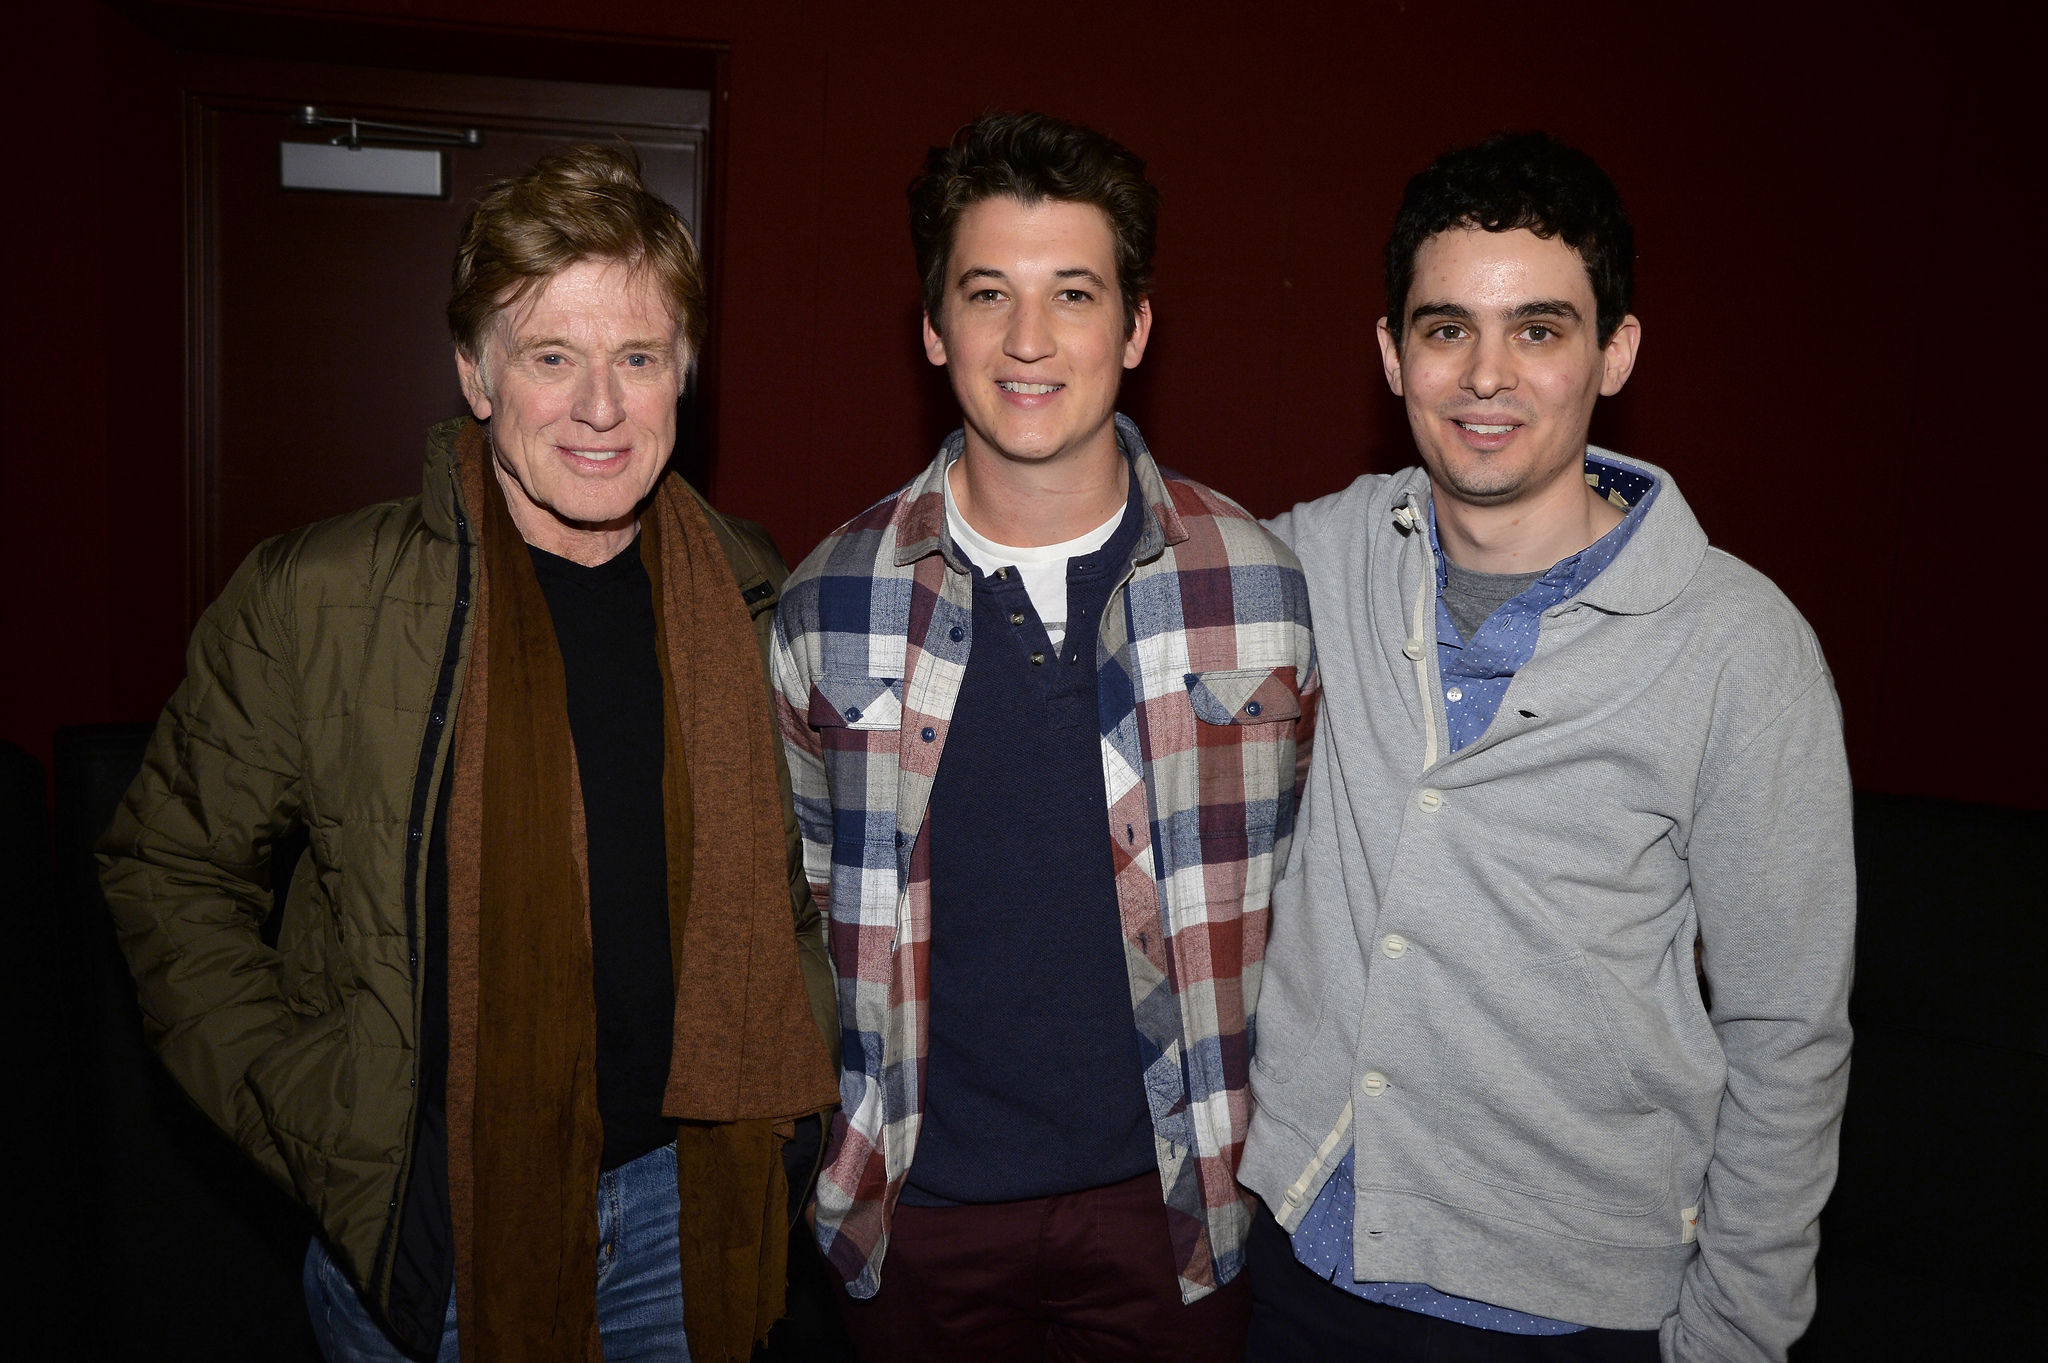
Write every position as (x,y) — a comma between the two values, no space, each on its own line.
(1649,572)
(441,484)
(1659,559)
(920,516)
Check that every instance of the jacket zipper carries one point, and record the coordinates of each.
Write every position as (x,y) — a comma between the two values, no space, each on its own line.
(438,739)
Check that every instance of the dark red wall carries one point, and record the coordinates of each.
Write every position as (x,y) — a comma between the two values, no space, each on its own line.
(1838,220)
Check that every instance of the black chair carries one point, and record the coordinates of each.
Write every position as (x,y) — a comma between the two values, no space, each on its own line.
(1929,1246)
(40,1067)
(188,1253)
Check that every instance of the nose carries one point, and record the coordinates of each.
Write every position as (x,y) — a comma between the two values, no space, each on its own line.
(1029,336)
(600,397)
(1491,368)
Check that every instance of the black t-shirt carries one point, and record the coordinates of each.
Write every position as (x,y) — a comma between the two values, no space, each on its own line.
(604,624)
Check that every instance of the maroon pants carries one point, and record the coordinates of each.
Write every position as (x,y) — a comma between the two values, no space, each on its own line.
(1081,1276)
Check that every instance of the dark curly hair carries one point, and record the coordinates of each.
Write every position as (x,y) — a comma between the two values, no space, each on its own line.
(1031,158)
(1510,181)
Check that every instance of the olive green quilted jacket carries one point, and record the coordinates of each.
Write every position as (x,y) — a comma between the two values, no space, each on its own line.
(320,692)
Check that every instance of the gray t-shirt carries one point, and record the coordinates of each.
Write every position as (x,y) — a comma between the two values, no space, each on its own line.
(1472,597)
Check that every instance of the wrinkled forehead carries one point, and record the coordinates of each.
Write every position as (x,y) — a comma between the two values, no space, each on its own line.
(598,301)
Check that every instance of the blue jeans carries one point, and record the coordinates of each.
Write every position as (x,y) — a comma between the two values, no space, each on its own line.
(639,1290)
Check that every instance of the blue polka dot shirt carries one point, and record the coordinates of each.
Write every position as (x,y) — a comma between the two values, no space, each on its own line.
(1475,674)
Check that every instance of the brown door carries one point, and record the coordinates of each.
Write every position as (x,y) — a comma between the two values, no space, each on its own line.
(319,347)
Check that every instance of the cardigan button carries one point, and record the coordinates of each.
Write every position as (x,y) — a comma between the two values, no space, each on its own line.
(1413,650)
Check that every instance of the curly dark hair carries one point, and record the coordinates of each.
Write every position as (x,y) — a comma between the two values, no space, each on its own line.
(1031,158)
(1510,181)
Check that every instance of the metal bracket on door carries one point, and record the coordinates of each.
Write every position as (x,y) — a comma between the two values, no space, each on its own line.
(309,116)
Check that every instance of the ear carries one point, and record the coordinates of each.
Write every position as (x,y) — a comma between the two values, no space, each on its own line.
(1141,332)
(934,344)
(1390,357)
(1619,355)
(471,375)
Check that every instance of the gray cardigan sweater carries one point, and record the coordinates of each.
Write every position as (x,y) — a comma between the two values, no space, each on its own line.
(1481,963)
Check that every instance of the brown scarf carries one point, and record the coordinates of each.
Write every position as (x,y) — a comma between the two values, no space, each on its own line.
(524,1135)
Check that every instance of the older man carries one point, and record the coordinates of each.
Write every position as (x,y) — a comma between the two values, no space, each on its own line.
(536,1019)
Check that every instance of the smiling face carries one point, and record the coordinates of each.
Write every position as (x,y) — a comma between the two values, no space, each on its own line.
(1500,363)
(579,383)
(1033,331)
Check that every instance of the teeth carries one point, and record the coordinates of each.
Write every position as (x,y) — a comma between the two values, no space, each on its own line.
(1033,389)
(599,455)
(1485,430)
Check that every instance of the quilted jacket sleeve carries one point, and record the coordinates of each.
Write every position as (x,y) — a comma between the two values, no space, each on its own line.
(186,862)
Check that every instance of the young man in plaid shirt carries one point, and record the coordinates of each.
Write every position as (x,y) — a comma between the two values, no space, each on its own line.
(1048,710)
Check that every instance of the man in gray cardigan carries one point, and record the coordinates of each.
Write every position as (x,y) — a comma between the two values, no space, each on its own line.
(1553,1036)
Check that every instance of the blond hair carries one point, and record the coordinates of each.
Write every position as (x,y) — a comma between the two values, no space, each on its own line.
(581,203)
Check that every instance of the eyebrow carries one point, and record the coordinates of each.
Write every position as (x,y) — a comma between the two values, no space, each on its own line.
(1546,307)
(1456,312)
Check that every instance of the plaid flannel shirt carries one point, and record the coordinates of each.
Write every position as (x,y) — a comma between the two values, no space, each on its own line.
(1207,695)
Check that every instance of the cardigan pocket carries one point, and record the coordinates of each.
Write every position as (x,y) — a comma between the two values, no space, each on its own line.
(1536,1098)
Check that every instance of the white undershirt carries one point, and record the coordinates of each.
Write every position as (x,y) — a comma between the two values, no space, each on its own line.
(1043,569)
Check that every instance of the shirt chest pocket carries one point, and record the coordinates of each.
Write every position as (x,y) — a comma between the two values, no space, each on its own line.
(1245,695)
(1244,755)
(857,702)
